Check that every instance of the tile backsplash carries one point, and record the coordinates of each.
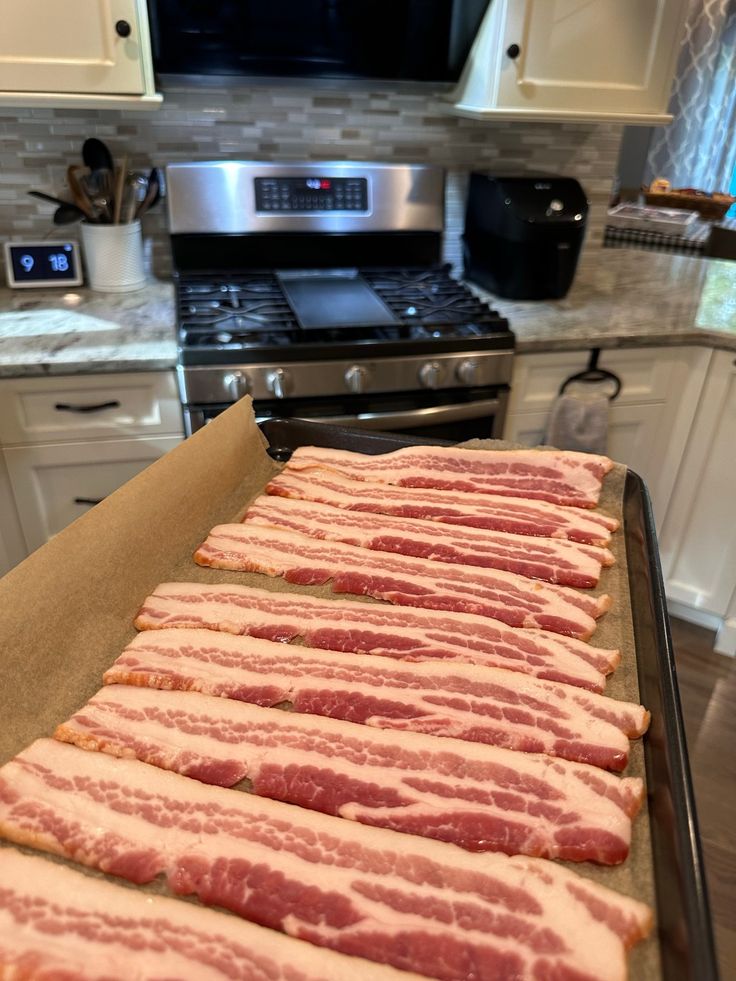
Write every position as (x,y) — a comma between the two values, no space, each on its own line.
(291,121)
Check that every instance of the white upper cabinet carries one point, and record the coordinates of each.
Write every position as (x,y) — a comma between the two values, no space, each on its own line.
(573,59)
(92,53)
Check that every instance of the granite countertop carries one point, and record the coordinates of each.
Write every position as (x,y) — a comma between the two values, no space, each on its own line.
(620,298)
(61,332)
(630,298)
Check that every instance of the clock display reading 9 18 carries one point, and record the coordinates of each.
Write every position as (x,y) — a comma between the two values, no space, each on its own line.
(42,264)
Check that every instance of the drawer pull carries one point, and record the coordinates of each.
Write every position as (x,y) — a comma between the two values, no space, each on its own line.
(88,500)
(98,407)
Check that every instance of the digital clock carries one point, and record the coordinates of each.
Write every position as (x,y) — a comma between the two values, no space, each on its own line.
(36,264)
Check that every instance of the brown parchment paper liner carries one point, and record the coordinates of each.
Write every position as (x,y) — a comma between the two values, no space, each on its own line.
(67,611)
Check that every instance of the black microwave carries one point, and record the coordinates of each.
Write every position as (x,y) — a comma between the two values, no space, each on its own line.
(417,40)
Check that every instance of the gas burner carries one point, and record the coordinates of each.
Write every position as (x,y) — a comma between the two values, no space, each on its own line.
(249,312)
(431,296)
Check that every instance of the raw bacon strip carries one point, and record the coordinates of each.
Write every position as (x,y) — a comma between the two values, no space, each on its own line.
(58,923)
(477,704)
(557,562)
(411,902)
(558,476)
(478,797)
(374,628)
(507,514)
(513,599)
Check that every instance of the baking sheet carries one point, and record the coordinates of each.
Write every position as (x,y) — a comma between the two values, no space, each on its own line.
(635,876)
(67,611)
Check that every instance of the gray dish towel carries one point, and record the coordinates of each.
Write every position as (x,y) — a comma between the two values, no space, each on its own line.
(578,420)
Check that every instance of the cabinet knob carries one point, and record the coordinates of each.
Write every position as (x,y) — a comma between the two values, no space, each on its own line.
(123,28)
(513,51)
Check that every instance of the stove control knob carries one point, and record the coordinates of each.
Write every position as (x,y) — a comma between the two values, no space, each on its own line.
(357,378)
(468,372)
(237,384)
(279,382)
(430,374)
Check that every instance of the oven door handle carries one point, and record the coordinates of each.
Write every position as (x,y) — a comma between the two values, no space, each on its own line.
(415,417)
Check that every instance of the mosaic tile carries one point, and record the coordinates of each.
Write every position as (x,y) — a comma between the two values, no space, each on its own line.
(296,121)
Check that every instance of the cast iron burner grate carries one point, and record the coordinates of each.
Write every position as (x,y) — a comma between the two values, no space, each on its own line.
(430,296)
(249,312)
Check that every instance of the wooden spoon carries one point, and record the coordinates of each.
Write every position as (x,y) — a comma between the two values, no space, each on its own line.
(120,176)
(79,194)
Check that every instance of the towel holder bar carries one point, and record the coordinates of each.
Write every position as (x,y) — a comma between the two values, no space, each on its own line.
(594,374)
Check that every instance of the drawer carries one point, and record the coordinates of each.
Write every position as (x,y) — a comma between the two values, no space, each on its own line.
(646,374)
(53,485)
(41,410)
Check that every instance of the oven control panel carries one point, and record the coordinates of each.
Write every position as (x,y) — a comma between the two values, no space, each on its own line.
(312,194)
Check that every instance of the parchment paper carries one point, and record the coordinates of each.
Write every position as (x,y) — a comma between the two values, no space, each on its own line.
(67,611)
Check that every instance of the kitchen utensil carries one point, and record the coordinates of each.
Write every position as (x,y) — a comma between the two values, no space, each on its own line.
(120,177)
(153,194)
(42,196)
(67,214)
(97,189)
(134,194)
(79,194)
(96,155)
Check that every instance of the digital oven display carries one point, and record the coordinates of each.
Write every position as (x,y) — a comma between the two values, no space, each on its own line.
(42,264)
(312,194)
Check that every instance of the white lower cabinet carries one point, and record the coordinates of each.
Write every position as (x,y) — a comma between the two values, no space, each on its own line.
(55,484)
(649,421)
(698,540)
(68,442)
(12,544)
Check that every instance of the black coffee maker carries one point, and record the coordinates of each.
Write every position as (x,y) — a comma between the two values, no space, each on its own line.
(523,235)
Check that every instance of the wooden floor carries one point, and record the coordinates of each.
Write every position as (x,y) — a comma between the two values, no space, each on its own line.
(708,694)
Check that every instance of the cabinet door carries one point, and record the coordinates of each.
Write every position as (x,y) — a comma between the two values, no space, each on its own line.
(632,435)
(71,47)
(589,55)
(698,541)
(12,545)
(650,420)
(53,485)
(646,374)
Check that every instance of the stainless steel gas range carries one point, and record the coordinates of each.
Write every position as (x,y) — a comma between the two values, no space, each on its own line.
(318,289)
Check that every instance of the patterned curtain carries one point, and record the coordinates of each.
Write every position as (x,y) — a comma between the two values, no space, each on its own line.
(698,149)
